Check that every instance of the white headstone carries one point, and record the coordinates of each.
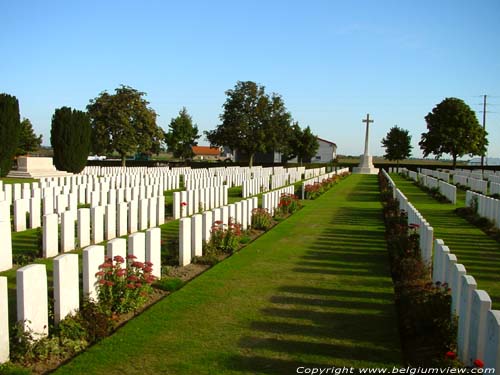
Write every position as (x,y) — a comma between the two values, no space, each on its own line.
(97,219)
(185,241)
(468,286)
(117,247)
(35,212)
(32,299)
(93,257)
(67,231)
(4,320)
(153,250)
(207,225)
(136,244)
(196,235)
(50,236)
(83,227)
(121,219)
(110,221)
(492,347)
(6,236)
(481,304)
(66,286)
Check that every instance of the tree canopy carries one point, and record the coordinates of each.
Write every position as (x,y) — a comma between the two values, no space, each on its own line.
(124,123)
(301,143)
(397,144)
(9,131)
(452,128)
(252,121)
(182,135)
(28,140)
(70,137)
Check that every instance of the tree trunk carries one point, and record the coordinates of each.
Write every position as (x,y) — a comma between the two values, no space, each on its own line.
(454,161)
(250,162)
(124,160)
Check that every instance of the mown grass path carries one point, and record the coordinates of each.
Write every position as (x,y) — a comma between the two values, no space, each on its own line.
(314,291)
(474,249)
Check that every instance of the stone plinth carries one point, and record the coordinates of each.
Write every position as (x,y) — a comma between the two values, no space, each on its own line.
(35,167)
(365,166)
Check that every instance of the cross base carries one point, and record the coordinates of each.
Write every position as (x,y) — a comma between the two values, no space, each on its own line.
(365,166)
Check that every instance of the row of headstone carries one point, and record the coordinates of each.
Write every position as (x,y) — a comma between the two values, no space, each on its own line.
(486,206)
(318,179)
(493,178)
(428,181)
(436,174)
(32,289)
(494,188)
(475,184)
(197,229)
(255,186)
(478,326)
(187,203)
(314,172)
(449,191)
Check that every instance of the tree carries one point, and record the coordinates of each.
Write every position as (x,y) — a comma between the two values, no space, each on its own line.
(9,131)
(182,135)
(124,123)
(397,144)
(28,140)
(452,128)
(308,145)
(70,138)
(251,121)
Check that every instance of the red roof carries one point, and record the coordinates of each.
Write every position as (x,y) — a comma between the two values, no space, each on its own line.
(205,150)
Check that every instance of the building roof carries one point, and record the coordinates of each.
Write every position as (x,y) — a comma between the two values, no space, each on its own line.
(206,150)
(324,140)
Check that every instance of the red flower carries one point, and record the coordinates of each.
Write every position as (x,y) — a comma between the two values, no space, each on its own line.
(99,274)
(119,259)
(138,285)
(110,283)
(451,355)
(184,204)
(147,269)
(132,278)
(121,272)
(102,281)
(138,264)
(106,265)
(130,286)
(478,363)
(130,256)
(413,226)
(148,264)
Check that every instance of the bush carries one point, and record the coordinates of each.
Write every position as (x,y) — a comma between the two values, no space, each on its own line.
(261,219)
(123,288)
(169,284)
(224,238)
(288,204)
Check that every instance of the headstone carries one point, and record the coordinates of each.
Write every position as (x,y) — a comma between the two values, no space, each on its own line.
(143,214)
(32,299)
(160,209)
(136,244)
(83,227)
(132,216)
(121,219)
(492,350)
(20,210)
(35,212)
(97,220)
(153,250)
(4,320)
(153,214)
(50,236)
(117,247)
(93,257)
(196,235)
(185,241)
(481,304)
(66,286)
(207,225)
(456,284)
(67,231)
(6,236)
(468,286)
(110,221)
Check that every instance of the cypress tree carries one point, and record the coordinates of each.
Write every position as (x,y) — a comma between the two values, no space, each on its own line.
(70,138)
(9,131)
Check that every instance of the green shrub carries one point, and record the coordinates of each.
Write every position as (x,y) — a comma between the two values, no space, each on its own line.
(169,284)
(225,239)
(261,219)
(288,204)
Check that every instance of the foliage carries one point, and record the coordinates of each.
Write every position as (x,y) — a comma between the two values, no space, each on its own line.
(28,141)
(70,139)
(182,135)
(224,238)
(452,128)
(170,284)
(9,131)
(261,219)
(397,144)
(313,191)
(251,121)
(124,287)
(124,123)
(288,204)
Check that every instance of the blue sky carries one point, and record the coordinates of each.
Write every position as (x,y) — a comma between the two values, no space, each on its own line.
(332,61)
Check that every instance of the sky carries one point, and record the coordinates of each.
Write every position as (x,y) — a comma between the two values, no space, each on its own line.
(331,61)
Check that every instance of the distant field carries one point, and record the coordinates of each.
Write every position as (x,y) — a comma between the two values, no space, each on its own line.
(355,161)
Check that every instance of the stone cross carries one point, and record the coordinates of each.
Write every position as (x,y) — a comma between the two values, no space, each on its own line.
(368,121)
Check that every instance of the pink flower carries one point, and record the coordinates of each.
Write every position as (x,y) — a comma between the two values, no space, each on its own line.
(119,259)
(138,264)
(132,278)
(451,355)
(148,264)
(147,269)
(121,272)
(130,256)
(99,274)
(130,286)
(184,204)
(110,283)
(102,282)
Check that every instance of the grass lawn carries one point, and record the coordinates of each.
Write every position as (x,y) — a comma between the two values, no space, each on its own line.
(11,180)
(313,291)
(475,250)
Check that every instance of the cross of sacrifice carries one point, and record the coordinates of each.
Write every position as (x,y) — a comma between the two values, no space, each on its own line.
(368,121)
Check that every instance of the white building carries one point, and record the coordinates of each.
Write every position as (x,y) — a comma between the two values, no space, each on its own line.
(327,151)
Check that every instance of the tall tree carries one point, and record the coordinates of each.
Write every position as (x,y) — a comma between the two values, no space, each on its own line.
(9,131)
(452,128)
(251,121)
(124,123)
(308,145)
(70,138)
(182,135)
(397,144)
(293,139)
(28,140)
